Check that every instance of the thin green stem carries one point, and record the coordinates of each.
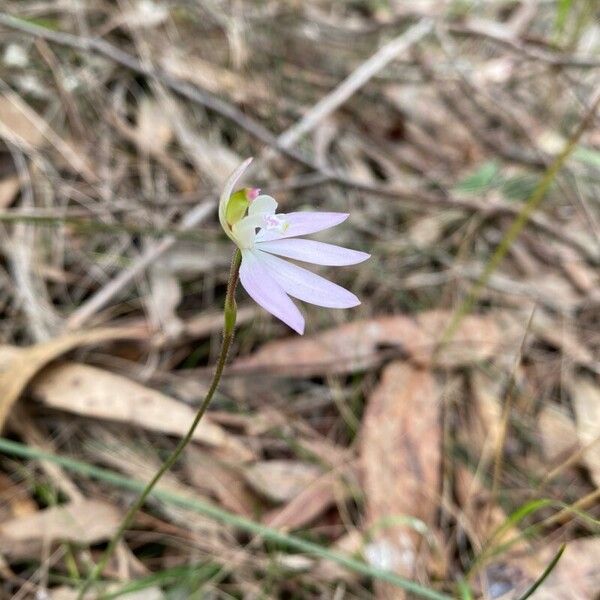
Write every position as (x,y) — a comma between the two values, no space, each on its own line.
(513,232)
(280,538)
(228,332)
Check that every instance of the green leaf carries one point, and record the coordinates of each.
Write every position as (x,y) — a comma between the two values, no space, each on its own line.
(587,156)
(479,180)
(519,187)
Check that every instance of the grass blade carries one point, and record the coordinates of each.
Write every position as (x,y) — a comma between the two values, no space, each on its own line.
(218,514)
(536,584)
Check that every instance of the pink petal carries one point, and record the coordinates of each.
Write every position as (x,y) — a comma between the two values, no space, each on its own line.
(266,292)
(307,286)
(303,223)
(317,253)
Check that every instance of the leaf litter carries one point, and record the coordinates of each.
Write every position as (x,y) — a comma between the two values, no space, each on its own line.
(366,435)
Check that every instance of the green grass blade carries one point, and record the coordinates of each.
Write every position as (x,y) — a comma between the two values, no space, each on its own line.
(218,514)
(536,584)
(563,9)
(162,578)
(516,227)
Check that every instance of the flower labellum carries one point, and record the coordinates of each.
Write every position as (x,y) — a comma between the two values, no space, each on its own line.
(263,236)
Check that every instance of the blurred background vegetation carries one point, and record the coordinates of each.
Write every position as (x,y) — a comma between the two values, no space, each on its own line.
(441,440)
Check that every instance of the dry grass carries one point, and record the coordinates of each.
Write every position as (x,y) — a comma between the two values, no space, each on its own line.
(434,124)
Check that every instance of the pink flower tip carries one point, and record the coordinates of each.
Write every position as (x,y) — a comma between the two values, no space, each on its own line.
(252,193)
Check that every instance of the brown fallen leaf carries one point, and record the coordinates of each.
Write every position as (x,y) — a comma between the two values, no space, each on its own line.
(15,500)
(22,125)
(585,395)
(17,125)
(575,577)
(577,574)
(357,346)
(82,522)
(558,433)
(311,502)
(154,128)
(136,462)
(582,276)
(97,393)
(8,190)
(163,300)
(18,366)
(222,480)
(400,457)
(544,327)
(485,418)
(149,593)
(211,77)
(281,480)
(351,544)
(480,515)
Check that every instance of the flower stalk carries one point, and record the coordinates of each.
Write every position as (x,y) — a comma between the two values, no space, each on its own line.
(230,314)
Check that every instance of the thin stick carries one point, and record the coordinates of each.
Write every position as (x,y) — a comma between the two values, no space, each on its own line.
(355,81)
(104,296)
(228,332)
(191,92)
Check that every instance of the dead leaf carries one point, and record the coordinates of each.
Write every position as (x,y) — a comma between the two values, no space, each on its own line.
(165,295)
(558,433)
(351,544)
(585,395)
(9,188)
(281,480)
(426,231)
(575,577)
(144,14)
(400,456)
(18,366)
(480,514)
(84,522)
(485,418)
(15,500)
(97,393)
(148,593)
(154,129)
(582,276)
(16,124)
(544,326)
(357,346)
(311,502)
(223,481)
(128,457)
(21,125)
(211,77)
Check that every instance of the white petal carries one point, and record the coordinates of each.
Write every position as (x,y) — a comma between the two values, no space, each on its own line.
(244,231)
(317,253)
(303,223)
(262,204)
(266,292)
(307,286)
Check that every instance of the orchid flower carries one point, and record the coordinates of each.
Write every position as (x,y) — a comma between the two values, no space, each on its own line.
(249,218)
